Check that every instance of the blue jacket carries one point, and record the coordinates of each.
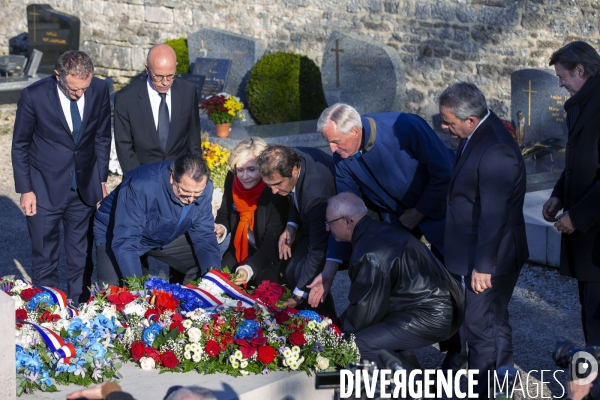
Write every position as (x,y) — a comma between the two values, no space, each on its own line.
(143,213)
(412,168)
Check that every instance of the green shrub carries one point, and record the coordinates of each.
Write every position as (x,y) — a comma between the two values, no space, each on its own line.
(285,87)
(181,52)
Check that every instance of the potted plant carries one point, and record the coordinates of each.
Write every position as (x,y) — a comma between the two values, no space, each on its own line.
(222,109)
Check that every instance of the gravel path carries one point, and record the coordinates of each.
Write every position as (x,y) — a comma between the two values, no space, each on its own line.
(544,306)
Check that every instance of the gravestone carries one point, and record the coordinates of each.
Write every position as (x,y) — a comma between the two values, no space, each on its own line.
(34,63)
(215,72)
(540,124)
(51,32)
(14,82)
(12,65)
(243,51)
(363,73)
(197,80)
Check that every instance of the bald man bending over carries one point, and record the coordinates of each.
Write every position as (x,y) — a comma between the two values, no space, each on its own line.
(157,118)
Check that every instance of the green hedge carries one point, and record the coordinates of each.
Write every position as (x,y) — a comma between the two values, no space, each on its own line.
(285,87)
(181,51)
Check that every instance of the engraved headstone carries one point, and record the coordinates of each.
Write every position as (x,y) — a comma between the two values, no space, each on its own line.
(363,73)
(197,80)
(243,51)
(52,32)
(215,72)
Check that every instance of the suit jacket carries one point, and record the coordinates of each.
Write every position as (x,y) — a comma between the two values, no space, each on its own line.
(485,228)
(44,154)
(136,138)
(409,162)
(579,185)
(316,184)
(269,220)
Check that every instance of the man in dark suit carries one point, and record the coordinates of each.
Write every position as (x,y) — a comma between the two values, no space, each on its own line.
(485,237)
(157,118)
(577,192)
(60,153)
(306,176)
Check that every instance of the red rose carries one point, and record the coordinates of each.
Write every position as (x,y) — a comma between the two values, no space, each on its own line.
(47,317)
(164,301)
(266,354)
(212,348)
(151,314)
(247,351)
(153,353)
(292,311)
(27,294)
(335,330)
(297,339)
(138,350)
(169,359)
(281,317)
(21,314)
(250,313)
(120,300)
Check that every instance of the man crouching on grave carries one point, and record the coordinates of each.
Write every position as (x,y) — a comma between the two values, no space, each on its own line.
(163,210)
(401,297)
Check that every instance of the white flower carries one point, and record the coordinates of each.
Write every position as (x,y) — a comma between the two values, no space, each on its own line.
(18,302)
(196,357)
(110,311)
(188,347)
(195,347)
(235,364)
(312,325)
(296,350)
(232,359)
(287,353)
(243,364)
(194,335)
(238,355)
(187,324)
(135,309)
(187,355)
(322,362)
(245,373)
(147,363)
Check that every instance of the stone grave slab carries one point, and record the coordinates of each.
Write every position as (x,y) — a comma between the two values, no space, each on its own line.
(34,63)
(216,72)
(52,32)
(12,65)
(363,73)
(243,51)
(197,80)
(8,382)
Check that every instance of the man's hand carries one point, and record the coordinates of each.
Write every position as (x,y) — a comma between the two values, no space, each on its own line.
(219,231)
(550,209)
(480,282)
(241,277)
(320,286)
(285,242)
(95,392)
(104,191)
(291,303)
(577,391)
(29,203)
(411,218)
(563,223)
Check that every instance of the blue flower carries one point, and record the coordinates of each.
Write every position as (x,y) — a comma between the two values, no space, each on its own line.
(150,334)
(317,348)
(97,350)
(101,322)
(41,298)
(76,324)
(310,315)
(247,330)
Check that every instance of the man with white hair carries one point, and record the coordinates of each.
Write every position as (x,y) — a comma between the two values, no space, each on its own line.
(401,297)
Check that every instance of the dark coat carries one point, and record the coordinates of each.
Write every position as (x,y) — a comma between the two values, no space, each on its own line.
(136,138)
(44,154)
(143,213)
(485,227)
(270,218)
(394,277)
(411,165)
(578,188)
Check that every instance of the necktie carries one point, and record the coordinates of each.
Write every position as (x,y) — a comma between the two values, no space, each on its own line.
(461,148)
(76,119)
(163,121)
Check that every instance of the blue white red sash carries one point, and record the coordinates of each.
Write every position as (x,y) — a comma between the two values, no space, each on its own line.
(215,280)
(55,343)
(60,298)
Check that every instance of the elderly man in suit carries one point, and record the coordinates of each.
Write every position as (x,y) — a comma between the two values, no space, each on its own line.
(306,176)
(60,153)
(157,118)
(485,237)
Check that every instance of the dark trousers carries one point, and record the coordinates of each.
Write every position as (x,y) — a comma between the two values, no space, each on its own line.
(44,229)
(589,298)
(386,336)
(486,328)
(179,254)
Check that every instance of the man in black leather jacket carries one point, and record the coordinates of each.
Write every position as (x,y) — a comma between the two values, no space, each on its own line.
(401,297)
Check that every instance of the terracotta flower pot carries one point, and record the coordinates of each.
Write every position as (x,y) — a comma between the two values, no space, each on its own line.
(223,130)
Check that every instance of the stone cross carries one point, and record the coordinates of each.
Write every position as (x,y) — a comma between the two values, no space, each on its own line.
(337,51)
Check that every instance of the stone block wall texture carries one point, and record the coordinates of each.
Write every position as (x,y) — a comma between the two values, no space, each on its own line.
(439,41)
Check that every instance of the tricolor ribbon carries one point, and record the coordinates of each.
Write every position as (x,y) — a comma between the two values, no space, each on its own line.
(60,298)
(54,342)
(207,299)
(215,278)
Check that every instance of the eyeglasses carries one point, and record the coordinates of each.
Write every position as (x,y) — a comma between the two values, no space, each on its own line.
(185,194)
(328,223)
(160,78)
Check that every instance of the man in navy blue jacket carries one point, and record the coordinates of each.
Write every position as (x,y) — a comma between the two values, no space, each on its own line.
(163,210)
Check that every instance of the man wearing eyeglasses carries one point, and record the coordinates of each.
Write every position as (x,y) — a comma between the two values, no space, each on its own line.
(162,210)
(60,153)
(157,118)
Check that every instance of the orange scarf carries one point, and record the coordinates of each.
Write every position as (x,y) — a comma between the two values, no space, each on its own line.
(246,201)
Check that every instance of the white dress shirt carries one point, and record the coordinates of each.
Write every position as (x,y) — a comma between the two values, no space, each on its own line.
(155,101)
(65,103)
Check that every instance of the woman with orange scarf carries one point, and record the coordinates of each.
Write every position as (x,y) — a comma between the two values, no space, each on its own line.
(254,216)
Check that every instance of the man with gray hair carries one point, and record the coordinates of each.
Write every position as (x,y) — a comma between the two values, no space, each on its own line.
(485,237)
(60,153)
(401,297)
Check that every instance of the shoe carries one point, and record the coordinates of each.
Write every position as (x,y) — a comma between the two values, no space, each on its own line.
(454,362)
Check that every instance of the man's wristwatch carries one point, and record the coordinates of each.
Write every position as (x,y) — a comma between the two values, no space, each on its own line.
(298,299)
